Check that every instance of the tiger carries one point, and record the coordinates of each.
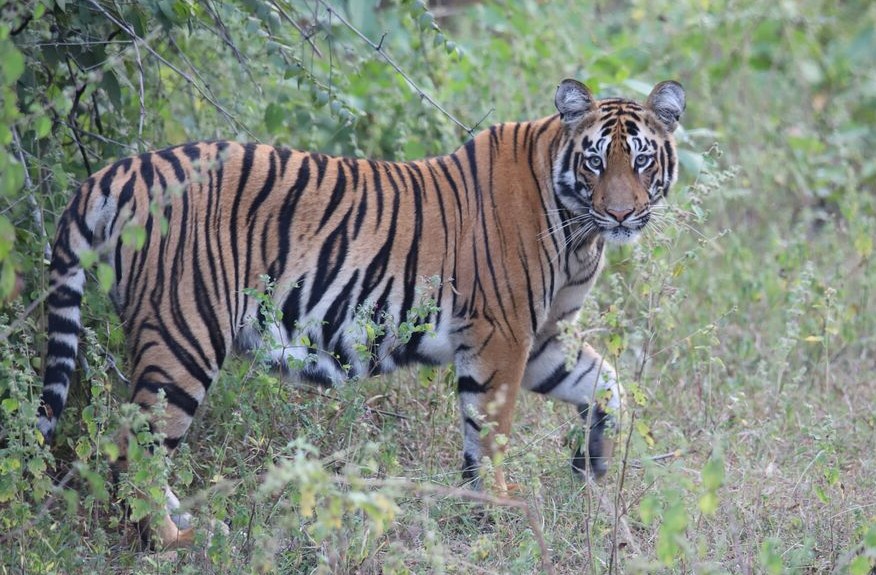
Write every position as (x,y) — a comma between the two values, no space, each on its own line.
(513,224)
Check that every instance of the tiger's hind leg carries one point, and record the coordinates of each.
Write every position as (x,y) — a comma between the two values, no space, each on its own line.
(165,369)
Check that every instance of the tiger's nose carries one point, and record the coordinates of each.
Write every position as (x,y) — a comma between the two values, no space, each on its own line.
(620,214)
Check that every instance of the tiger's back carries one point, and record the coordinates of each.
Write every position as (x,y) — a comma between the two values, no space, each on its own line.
(335,241)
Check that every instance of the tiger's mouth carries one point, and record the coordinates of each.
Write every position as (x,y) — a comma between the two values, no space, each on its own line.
(625,231)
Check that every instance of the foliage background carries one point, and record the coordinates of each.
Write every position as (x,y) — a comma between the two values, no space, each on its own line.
(745,326)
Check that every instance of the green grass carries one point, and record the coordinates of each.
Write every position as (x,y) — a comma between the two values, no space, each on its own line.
(743,326)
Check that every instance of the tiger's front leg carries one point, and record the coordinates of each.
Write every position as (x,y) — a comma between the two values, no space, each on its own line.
(488,384)
(591,385)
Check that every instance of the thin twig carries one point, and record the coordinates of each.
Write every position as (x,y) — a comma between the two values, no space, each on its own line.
(618,514)
(318,392)
(379,49)
(96,136)
(307,37)
(141,93)
(71,118)
(36,210)
(14,534)
(188,78)
(468,495)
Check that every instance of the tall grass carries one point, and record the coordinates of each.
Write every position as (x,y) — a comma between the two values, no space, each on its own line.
(742,327)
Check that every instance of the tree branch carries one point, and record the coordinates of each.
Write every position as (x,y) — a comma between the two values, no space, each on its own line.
(468,495)
(379,49)
(307,37)
(203,91)
(36,210)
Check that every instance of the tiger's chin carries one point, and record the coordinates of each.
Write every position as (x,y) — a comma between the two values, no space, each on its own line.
(621,235)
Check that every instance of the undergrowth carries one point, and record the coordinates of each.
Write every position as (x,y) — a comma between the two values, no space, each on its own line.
(742,326)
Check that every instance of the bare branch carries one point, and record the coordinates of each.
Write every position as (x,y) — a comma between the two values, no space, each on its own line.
(379,49)
(468,495)
(307,37)
(141,93)
(202,90)
(35,209)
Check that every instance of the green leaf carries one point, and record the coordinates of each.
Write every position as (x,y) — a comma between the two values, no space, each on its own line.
(675,518)
(134,236)
(709,503)
(12,65)
(10,405)
(111,450)
(645,431)
(667,547)
(83,448)
(110,84)
(274,117)
(87,258)
(7,488)
(7,279)
(649,508)
(13,179)
(863,244)
(860,565)
(106,276)
(870,538)
(42,126)
(713,473)
(770,558)
(7,237)
(36,466)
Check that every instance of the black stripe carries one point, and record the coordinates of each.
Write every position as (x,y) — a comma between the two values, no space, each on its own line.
(337,193)
(192,151)
(234,272)
(61,324)
(64,296)
(292,305)
(470,468)
(333,321)
(472,423)
(468,384)
(330,262)
(175,395)
(264,193)
(321,161)
(58,348)
(171,158)
(362,209)
(550,383)
(206,308)
(670,166)
(377,168)
(287,213)
(285,154)
(51,399)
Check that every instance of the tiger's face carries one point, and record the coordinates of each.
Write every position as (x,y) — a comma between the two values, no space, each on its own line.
(618,159)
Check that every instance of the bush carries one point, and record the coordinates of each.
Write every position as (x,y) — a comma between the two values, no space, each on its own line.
(743,327)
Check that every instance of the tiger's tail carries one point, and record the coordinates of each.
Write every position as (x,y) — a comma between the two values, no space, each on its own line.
(75,237)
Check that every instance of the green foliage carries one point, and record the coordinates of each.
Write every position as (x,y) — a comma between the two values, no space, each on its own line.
(742,326)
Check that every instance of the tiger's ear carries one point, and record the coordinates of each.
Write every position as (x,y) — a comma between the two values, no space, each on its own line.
(573,101)
(667,101)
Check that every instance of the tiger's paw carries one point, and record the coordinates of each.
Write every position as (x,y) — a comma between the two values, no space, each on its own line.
(592,460)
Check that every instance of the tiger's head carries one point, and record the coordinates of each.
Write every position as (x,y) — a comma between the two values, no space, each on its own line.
(618,158)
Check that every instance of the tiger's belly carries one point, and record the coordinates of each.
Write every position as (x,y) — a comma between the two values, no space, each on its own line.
(328,350)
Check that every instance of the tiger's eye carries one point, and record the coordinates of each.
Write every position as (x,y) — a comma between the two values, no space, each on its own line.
(594,163)
(643,161)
